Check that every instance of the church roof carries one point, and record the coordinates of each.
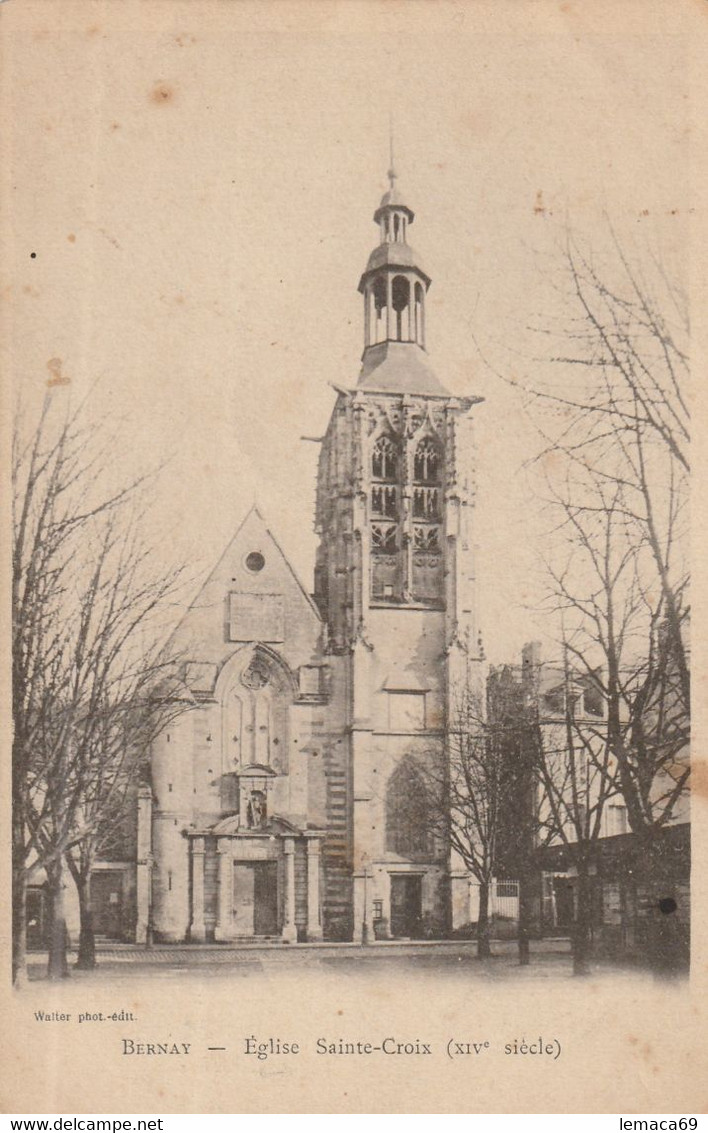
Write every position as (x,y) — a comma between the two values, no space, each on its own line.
(399,367)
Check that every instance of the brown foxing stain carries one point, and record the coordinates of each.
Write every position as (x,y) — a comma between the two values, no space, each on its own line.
(181,40)
(71,238)
(29,290)
(699,777)
(539,208)
(92,30)
(54,366)
(161,93)
(115,126)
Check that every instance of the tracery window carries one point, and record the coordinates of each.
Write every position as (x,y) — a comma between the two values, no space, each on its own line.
(426,539)
(383,538)
(426,503)
(383,500)
(426,463)
(427,566)
(385,504)
(383,460)
(408,814)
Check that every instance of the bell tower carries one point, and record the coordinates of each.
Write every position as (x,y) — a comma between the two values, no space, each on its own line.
(394,582)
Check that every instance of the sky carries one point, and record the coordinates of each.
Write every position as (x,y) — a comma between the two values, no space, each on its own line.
(191,190)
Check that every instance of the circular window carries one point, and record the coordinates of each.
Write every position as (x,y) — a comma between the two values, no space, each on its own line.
(255,561)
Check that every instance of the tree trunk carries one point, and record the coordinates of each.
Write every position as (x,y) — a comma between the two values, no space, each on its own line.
(483,926)
(524,930)
(583,923)
(86,959)
(19,883)
(19,926)
(57,967)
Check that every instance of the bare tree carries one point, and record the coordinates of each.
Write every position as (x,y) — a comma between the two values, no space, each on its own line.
(573,763)
(616,467)
(115,738)
(83,600)
(511,720)
(469,794)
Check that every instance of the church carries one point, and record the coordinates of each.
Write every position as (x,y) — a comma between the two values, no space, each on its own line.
(287,802)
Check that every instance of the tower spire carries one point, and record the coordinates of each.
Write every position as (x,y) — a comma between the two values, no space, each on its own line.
(392,175)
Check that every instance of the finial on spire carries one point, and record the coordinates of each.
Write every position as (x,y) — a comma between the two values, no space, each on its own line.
(392,175)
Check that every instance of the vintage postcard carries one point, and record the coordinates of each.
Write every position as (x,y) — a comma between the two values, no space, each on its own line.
(347,414)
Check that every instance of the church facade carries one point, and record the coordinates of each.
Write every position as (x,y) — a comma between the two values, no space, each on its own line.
(287,802)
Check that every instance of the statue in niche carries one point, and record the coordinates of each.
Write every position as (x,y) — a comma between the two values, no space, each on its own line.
(256,812)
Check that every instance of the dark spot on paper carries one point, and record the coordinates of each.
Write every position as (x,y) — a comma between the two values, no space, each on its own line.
(111,239)
(667,906)
(162,92)
(115,126)
(71,238)
(33,255)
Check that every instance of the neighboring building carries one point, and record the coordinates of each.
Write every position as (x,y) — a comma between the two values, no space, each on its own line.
(284,801)
(629,911)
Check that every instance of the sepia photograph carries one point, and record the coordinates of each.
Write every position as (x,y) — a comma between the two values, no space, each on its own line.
(348,415)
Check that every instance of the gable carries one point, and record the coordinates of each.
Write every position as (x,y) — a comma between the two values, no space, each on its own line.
(252,595)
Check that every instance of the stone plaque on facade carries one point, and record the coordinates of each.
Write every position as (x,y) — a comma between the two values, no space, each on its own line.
(256,617)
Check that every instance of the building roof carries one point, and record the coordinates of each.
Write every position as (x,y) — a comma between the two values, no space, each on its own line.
(399,367)
(394,255)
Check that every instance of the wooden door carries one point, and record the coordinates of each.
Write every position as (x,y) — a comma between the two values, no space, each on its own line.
(107,903)
(265,899)
(406,905)
(244,899)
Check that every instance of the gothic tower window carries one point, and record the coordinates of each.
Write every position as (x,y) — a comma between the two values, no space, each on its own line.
(426,463)
(427,580)
(383,460)
(408,816)
(385,542)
